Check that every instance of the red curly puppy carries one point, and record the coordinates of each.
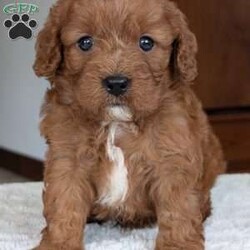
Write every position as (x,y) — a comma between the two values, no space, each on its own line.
(127,137)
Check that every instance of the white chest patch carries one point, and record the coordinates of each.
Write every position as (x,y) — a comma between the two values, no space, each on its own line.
(117,186)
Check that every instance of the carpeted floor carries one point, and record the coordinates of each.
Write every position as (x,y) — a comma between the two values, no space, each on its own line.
(227,229)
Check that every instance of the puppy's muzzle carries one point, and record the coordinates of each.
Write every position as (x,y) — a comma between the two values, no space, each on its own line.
(116,85)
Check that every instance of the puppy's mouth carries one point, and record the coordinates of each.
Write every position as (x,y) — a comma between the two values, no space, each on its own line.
(118,112)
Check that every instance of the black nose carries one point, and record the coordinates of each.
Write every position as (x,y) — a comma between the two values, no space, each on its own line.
(116,85)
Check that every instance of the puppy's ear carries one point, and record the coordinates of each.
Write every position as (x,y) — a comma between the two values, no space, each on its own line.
(183,64)
(48,45)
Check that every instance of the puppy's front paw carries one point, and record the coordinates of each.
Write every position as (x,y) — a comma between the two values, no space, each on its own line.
(168,243)
(176,248)
(50,246)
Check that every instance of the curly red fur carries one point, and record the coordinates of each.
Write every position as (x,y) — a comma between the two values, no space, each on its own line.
(171,155)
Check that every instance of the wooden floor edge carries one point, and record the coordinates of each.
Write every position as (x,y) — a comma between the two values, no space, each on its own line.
(22,165)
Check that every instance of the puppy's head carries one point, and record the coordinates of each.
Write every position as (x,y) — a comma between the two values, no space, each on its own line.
(104,53)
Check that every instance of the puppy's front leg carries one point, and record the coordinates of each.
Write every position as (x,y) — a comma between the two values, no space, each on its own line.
(67,200)
(178,214)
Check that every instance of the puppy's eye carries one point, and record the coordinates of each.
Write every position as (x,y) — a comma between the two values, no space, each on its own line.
(85,43)
(146,43)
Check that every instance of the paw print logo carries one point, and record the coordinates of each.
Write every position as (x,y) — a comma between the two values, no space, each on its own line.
(20,26)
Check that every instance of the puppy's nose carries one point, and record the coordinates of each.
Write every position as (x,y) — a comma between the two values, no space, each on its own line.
(116,85)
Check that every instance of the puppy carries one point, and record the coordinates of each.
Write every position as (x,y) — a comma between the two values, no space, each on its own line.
(128,140)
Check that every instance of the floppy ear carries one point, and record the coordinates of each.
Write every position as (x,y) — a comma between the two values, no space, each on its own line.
(48,45)
(183,64)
